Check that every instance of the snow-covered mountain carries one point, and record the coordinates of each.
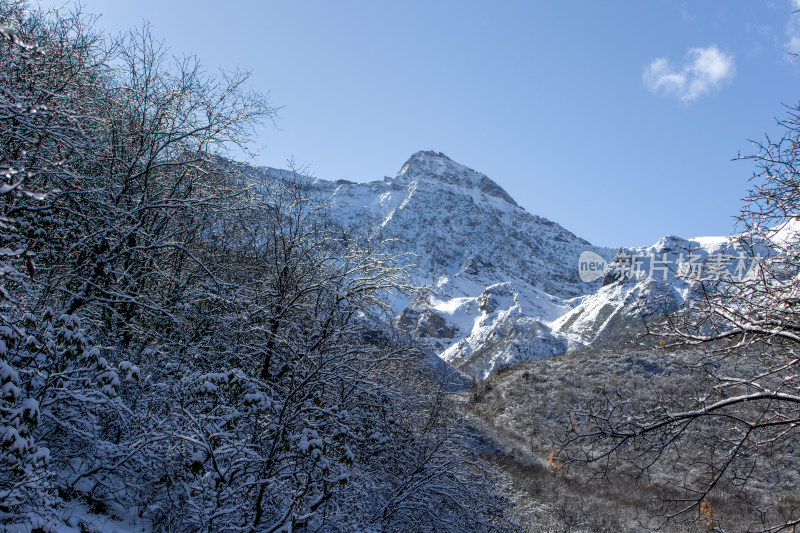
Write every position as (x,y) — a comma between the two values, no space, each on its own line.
(463,228)
(497,283)
(638,283)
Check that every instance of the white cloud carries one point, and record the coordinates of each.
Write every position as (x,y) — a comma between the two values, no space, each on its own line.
(705,69)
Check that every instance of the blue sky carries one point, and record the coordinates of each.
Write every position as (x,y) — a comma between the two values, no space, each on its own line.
(618,120)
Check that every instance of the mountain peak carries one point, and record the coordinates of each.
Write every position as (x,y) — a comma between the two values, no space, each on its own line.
(427,165)
(430,164)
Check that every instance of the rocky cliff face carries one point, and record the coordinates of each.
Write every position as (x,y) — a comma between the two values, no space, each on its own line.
(497,284)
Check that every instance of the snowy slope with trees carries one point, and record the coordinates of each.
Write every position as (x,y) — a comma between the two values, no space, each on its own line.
(185,346)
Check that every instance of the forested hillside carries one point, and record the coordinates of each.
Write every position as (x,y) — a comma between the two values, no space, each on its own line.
(184,347)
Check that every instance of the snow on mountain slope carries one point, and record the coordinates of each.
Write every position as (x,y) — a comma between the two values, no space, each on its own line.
(642,282)
(491,274)
(499,284)
(465,231)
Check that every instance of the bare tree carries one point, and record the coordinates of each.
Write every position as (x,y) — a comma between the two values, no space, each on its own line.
(732,430)
(70,219)
(325,418)
(46,361)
